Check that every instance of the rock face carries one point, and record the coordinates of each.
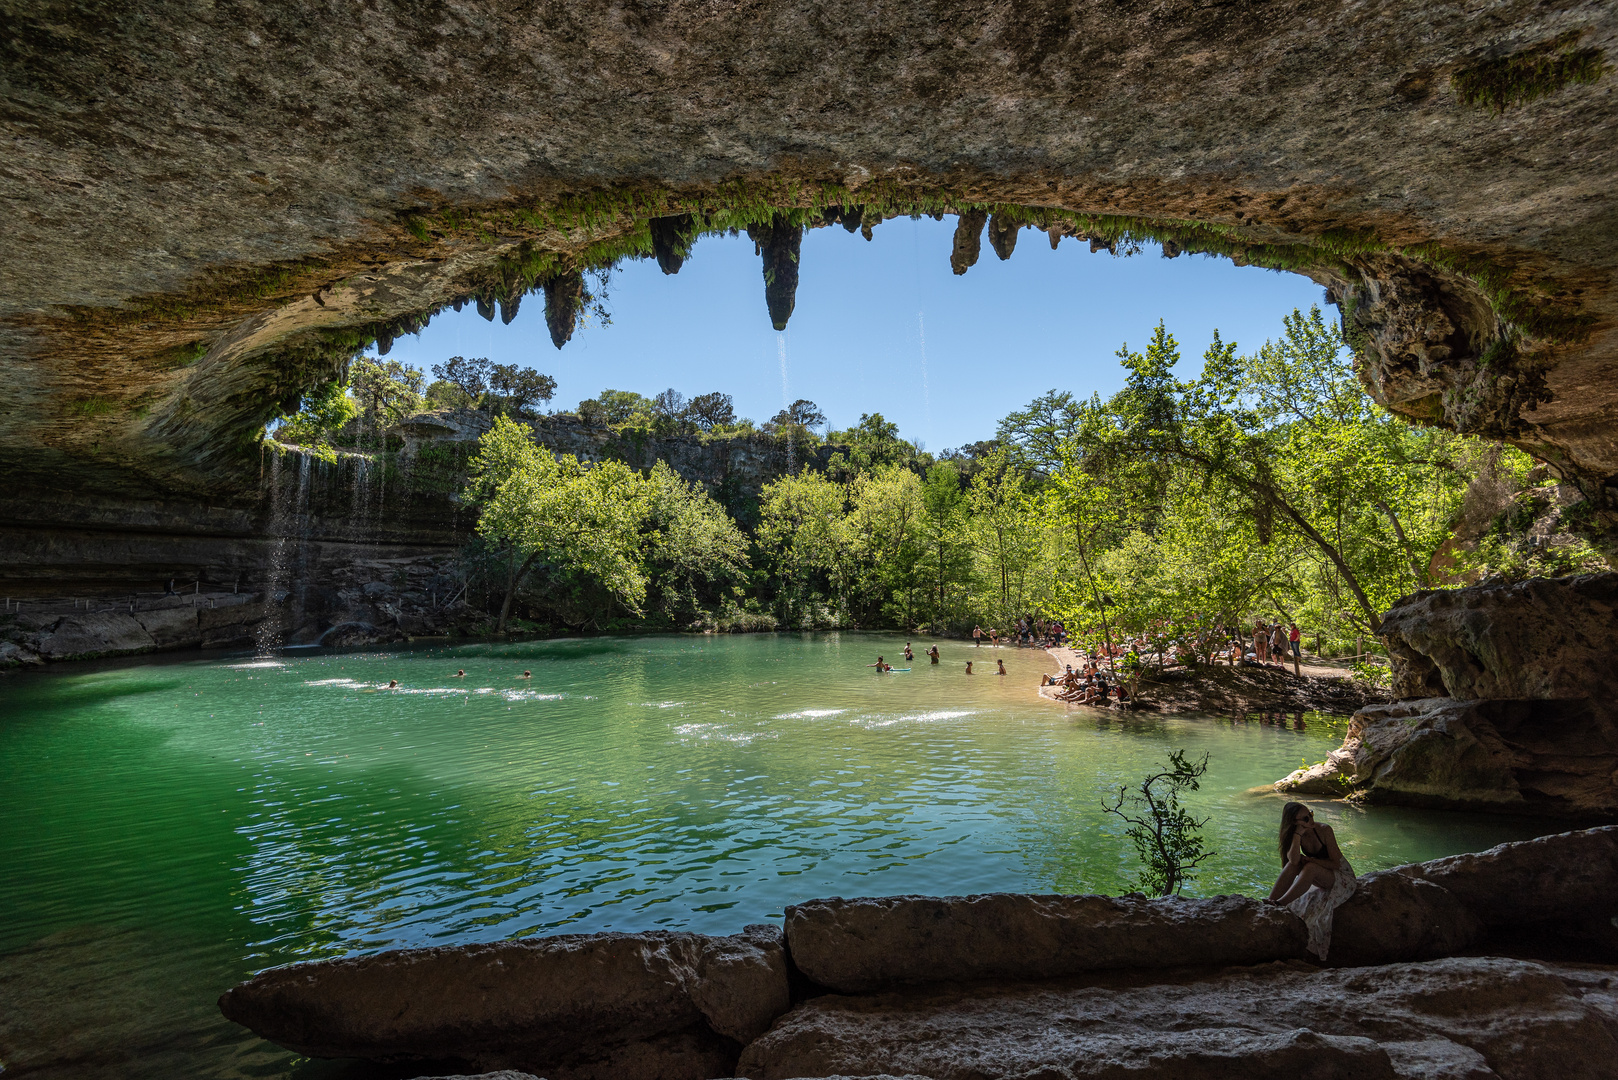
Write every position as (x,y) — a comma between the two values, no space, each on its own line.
(1510,703)
(658,1005)
(854,946)
(1459,1018)
(207,204)
(1556,888)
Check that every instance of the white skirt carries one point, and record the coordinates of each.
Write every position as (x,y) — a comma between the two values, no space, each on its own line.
(1316,906)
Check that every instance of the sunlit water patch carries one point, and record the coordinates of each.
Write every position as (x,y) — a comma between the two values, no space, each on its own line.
(229,815)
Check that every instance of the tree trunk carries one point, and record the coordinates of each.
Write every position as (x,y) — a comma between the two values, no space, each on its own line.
(513,579)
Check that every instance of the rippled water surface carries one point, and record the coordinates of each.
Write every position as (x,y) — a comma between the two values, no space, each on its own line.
(171,827)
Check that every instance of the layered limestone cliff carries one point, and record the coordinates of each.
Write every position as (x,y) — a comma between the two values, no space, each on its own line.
(1508,701)
(360,550)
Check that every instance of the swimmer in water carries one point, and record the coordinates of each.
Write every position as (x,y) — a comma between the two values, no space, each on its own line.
(908,654)
(1002,665)
(526,675)
(393,684)
(969,667)
(461,674)
(933,653)
(881,665)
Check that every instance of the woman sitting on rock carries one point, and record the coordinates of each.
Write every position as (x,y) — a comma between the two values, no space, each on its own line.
(1316,878)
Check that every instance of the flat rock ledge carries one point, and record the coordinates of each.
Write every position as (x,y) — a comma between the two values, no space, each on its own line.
(1008,985)
(1471,1018)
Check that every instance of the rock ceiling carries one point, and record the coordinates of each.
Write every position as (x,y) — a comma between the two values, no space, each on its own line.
(212,205)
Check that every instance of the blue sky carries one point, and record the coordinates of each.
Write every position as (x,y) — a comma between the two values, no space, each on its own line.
(883,326)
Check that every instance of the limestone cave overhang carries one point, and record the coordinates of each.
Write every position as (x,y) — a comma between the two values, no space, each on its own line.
(213,207)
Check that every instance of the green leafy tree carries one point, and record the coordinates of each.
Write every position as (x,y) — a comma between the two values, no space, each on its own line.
(320,417)
(1004,532)
(1166,837)
(618,408)
(803,529)
(1034,437)
(710,411)
(885,528)
(946,554)
(461,382)
(517,390)
(536,506)
(692,546)
(1289,436)
(387,391)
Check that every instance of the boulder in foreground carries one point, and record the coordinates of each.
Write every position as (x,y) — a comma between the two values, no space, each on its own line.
(663,1005)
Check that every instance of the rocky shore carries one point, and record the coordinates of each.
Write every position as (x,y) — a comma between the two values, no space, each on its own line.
(1502,963)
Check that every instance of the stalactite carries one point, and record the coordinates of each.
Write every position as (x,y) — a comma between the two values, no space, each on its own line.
(1171,250)
(778,243)
(968,240)
(384,343)
(671,241)
(508,308)
(564,294)
(485,307)
(1003,234)
(852,216)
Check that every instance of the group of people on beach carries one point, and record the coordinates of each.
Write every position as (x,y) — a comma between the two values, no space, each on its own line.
(1089,686)
(1028,630)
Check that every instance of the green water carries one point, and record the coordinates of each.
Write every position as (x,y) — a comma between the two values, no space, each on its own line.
(171,827)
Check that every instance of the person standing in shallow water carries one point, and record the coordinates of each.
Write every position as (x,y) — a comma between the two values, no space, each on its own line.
(977,635)
(932,654)
(1315,876)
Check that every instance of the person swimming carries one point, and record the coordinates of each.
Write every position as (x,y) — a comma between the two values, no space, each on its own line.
(526,675)
(881,665)
(933,653)
(393,684)
(461,674)
(1002,666)
(908,654)
(969,667)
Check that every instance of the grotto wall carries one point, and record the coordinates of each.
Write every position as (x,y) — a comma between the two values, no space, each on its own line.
(216,204)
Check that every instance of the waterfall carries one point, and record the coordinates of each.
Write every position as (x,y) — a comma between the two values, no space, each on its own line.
(272,626)
(302,521)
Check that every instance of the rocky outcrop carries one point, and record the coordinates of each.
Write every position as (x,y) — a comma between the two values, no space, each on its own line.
(1510,703)
(1545,639)
(1557,892)
(1456,1018)
(657,1005)
(872,943)
(684,1005)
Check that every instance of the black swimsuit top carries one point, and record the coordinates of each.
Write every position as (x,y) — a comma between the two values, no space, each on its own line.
(1321,854)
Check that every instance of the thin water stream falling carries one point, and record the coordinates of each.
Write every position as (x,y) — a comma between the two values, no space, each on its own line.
(271,627)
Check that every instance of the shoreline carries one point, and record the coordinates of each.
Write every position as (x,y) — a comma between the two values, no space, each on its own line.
(1217,688)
